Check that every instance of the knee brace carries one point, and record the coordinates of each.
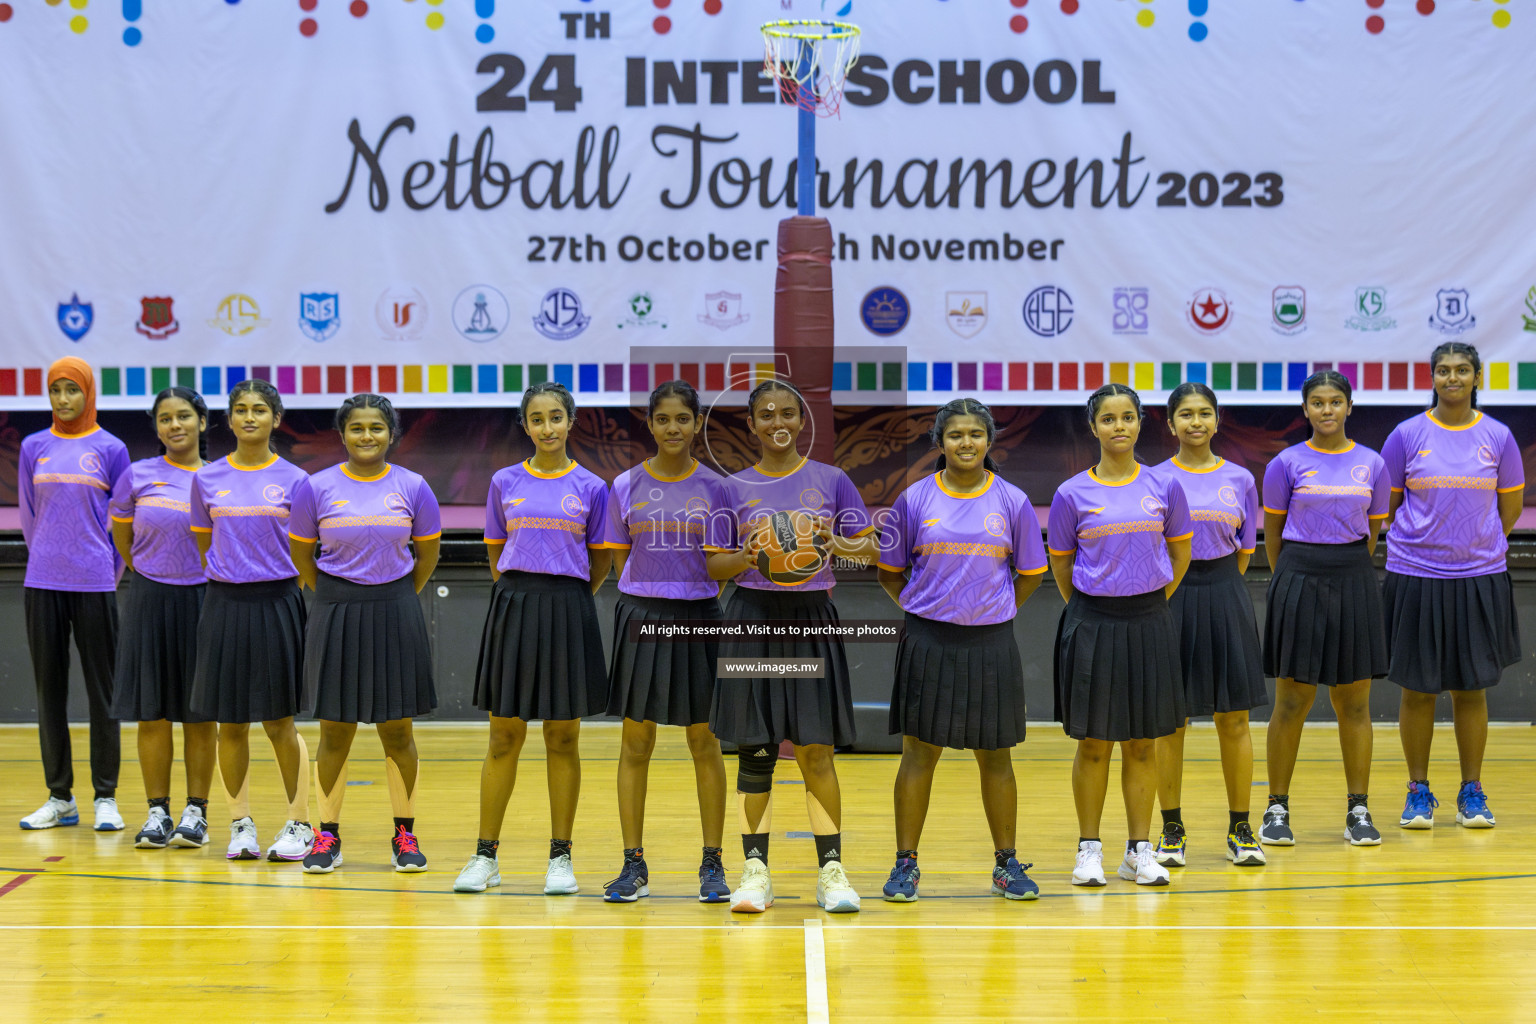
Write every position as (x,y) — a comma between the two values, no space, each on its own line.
(754,770)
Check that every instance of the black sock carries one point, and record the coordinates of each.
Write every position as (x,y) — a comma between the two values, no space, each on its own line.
(713,853)
(1173,816)
(1085,839)
(1003,856)
(638,853)
(1423,782)
(1235,817)
(486,847)
(409,824)
(1355,800)
(1130,846)
(559,848)
(200,802)
(755,844)
(162,802)
(906,855)
(827,848)
(333,827)
(1283,799)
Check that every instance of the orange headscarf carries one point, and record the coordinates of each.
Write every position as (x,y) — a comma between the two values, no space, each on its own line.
(79,371)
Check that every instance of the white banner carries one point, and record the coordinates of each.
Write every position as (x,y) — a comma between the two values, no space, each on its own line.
(449,200)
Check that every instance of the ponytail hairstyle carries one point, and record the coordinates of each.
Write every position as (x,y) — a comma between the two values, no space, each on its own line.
(549,387)
(773,384)
(1454,348)
(1328,378)
(1186,389)
(964,407)
(199,406)
(678,389)
(1110,391)
(369,401)
(267,393)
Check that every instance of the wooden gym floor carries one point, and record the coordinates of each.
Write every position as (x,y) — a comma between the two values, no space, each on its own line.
(1430,926)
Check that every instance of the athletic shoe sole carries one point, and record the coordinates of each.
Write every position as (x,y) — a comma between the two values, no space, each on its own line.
(1267,841)
(1361,842)
(188,842)
(148,844)
(1169,860)
(839,908)
(494,880)
(714,897)
(243,855)
(407,869)
(1024,896)
(748,907)
(1092,883)
(1250,859)
(278,858)
(1476,821)
(572,891)
(1134,877)
(323,869)
(75,820)
(899,897)
(615,897)
(1418,821)
(106,827)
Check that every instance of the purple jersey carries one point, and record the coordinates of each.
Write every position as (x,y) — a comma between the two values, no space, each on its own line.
(363,525)
(963,549)
(1448,524)
(64,484)
(668,525)
(1119,532)
(1326,497)
(811,487)
(1223,507)
(546,521)
(155,495)
(246,511)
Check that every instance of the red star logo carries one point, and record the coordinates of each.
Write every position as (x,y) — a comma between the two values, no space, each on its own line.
(1209,311)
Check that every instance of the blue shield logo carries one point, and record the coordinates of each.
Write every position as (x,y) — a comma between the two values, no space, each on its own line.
(75,318)
(560,317)
(885,311)
(319,314)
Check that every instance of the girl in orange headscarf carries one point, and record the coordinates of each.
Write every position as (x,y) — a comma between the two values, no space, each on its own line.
(65,477)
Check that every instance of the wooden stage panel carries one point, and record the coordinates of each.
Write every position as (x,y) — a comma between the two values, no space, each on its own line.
(1429,926)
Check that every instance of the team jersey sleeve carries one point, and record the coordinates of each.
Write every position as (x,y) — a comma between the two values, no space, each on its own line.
(118,463)
(1394,454)
(615,529)
(720,529)
(1381,493)
(26,493)
(895,541)
(597,514)
(1277,487)
(1511,466)
(1061,527)
(495,513)
(426,516)
(1176,522)
(1247,534)
(120,505)
(1028,550)
(202,521)
(851,518)
(303,518)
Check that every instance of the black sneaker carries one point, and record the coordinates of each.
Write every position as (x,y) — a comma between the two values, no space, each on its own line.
(632,884)
(1169,851)
(192,831)
(1358,828)
(156,832)
(1276,829)
(324,856)
(713,887)
(406,853)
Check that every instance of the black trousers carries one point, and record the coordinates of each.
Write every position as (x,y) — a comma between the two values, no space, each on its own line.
(51,614)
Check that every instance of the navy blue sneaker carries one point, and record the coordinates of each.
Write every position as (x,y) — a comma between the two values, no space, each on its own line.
(1419,808)
(1472,806)
(633,882)
(901,887)
(1012,883)
(713,887)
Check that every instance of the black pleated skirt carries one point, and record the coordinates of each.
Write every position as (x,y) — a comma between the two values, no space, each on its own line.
(1458,634)
(764,711)
(1324,621)
(1218,639)
(157,652)
(669,682)
(541,651)
(1117,668)
(958,686)
(250,652)
(367,657)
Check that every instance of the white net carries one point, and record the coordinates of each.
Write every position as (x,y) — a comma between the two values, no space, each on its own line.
(810,61)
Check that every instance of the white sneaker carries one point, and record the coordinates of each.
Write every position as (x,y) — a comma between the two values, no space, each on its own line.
(560,879)
(242,840)
(480,874)
(1090,864)
(52,814)
(833,893)
(755,893)
(107,817)
(293,842)
(1142,867)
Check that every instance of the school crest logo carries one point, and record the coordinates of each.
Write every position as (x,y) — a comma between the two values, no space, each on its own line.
(811,499)
(1453,313)
(995,524)
(1130,315)
(885,311)
(1288,309)
(1227,495)
(156,319)
(1361,474)
(1151,506)
(1486,457)
(1530,304)
(396,503)
(75,317)
(642,313)
(1370,310)
(1048,311)
(1208,311)
(319,314)
(722,311)
(90,462)
(401,313)
(965,312)
(572,506)
(481,313)
(696,506)
(560,317)
(238,315)
(273,493)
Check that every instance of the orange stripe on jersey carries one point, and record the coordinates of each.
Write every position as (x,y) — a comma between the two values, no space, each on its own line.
(70,478)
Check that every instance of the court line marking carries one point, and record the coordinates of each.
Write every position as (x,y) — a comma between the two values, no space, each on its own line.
(816,1009)
(759,926)
(16,882)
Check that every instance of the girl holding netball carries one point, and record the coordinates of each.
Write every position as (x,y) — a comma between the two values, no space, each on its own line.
(665,517)
(250,637)
(64,477)
(807,507)
(367,657)
(1119,543)
(1324,502)
(541,650)
(972,543)
(1218,635)
(1457,487)
(157,654)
